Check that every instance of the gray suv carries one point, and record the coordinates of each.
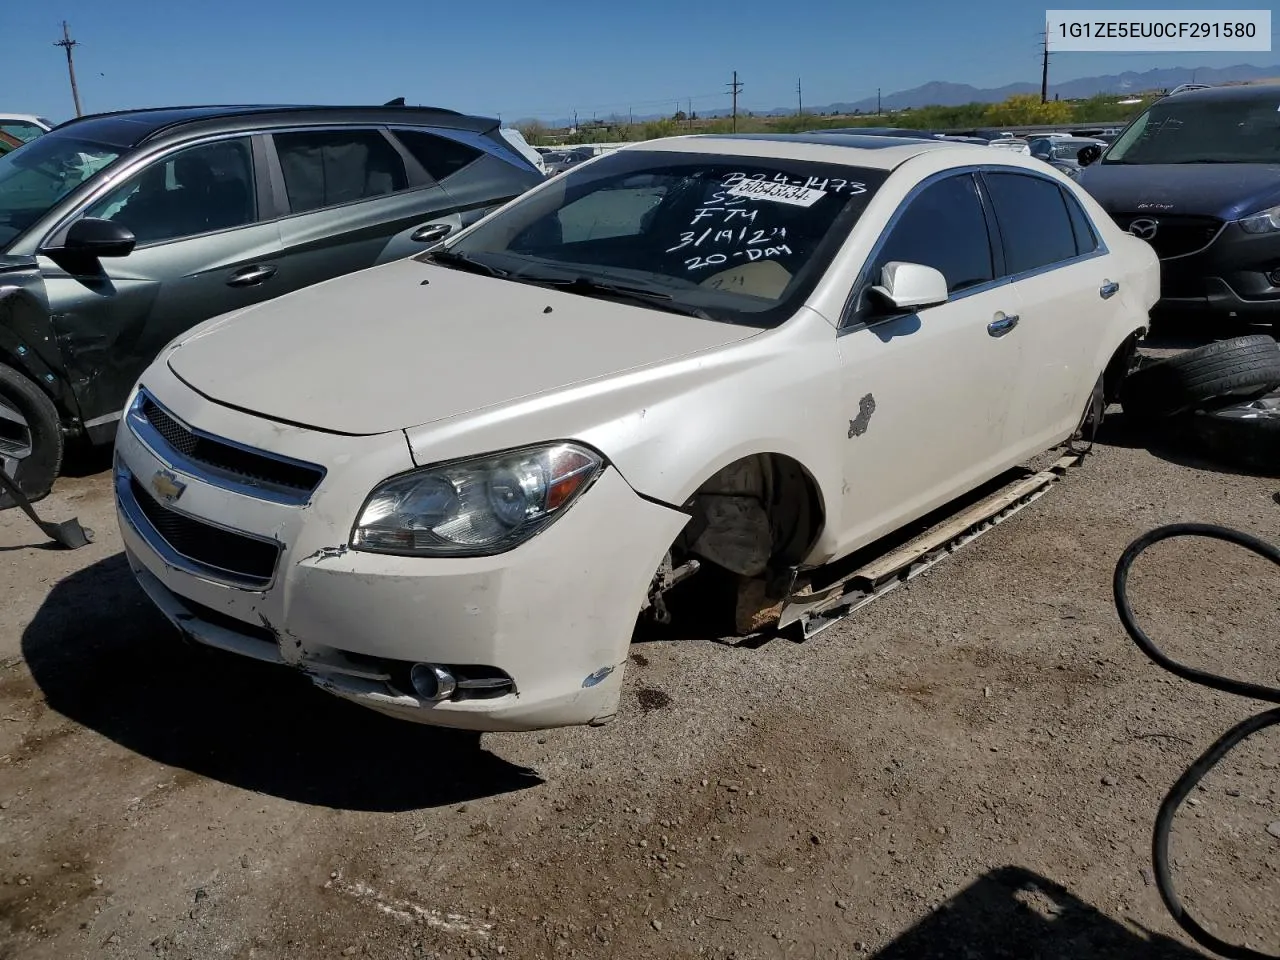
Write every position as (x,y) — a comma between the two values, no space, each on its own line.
(120,231)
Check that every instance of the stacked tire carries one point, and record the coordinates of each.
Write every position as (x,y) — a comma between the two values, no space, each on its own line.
(1221,401)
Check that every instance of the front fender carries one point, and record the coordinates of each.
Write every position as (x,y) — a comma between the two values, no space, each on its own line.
(29,343)
(668,428)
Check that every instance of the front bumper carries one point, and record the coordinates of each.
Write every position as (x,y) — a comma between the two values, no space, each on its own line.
(1216,298)
(555,614)
(1230,278)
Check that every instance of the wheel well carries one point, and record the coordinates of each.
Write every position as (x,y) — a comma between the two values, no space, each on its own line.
(53,390)
(757,516)
(1119,367)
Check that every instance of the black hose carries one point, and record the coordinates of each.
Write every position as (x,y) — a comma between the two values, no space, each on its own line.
(1225,744)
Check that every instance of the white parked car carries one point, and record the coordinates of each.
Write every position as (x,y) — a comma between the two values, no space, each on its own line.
(442,487)
(1012,144)
(24,126)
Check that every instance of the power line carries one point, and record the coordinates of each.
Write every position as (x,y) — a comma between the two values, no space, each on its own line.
(1044,71)
(737,88)
(67,43)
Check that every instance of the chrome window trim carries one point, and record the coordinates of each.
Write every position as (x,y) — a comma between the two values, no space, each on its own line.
(135,165)
(382,129)
(132,512)
(160,448)
(1099,251)
(118,176)
(847,324)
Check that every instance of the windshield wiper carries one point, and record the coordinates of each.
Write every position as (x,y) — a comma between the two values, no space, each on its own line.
(460,261)
(618,291)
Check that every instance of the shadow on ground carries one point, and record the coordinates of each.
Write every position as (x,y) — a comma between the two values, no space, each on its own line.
(83,460)
(1015,914)
(104,657)
(1163,442)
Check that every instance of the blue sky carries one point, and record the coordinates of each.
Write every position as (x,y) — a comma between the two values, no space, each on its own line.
(542,58)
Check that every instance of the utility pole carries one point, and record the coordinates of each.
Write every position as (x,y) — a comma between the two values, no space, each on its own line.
(688,114)
(67,43)
(799,99)
(1044,71)
(736,87)
(879,110)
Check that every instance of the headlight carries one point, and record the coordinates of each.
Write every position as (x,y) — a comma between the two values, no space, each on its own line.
(475,507)
(1268,221)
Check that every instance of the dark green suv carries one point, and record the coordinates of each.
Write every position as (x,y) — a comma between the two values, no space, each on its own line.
(120,231)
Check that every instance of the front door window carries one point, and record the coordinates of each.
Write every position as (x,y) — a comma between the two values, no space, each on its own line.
(198,190)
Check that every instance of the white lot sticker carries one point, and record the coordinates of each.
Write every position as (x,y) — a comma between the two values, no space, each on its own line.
(780,192)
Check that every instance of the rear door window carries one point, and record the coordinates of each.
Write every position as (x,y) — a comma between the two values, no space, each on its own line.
(325,168)
(440,156)
(1034,223)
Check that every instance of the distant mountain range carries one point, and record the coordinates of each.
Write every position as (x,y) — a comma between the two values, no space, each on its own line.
(939,93)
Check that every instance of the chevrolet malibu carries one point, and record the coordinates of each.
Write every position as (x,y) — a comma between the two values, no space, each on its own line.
(447,488)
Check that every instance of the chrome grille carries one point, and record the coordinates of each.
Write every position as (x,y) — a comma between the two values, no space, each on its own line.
(246,558)
(227,457)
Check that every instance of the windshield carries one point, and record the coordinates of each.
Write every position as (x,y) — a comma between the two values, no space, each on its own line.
(731,238)
(40,173)
(1202,131)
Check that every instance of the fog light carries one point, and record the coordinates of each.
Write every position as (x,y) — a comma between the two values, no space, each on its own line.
(432,682)
(1274,277)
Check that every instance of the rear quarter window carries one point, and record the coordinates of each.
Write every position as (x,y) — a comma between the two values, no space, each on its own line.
(1085,233)
(440,156)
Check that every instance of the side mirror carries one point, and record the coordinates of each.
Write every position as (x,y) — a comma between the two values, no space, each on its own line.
(92,237)
(909,286)
(1042,155)
(1088,155)
(431,233)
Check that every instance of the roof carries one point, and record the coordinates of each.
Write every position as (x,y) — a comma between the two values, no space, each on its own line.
(881,153)
(129,128)
(1263,90)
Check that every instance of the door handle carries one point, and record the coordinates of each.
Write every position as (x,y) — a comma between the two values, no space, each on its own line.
(1002,324)
(251,276)
(1108,289)
(431,232)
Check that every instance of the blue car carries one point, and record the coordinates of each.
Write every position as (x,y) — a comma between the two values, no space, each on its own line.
(1197,175)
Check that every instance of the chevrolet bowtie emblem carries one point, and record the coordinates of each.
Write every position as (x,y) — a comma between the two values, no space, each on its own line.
(167,487)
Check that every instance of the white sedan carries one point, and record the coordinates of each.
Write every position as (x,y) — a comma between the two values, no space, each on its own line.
(442,487)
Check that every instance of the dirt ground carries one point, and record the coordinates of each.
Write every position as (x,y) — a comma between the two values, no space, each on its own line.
(966,769)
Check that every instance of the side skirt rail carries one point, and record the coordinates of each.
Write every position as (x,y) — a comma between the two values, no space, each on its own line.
(819,610)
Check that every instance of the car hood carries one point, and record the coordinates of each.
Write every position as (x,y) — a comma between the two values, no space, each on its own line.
(384,349)
(1225,190)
